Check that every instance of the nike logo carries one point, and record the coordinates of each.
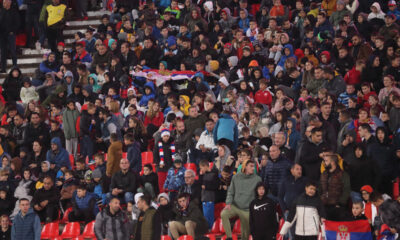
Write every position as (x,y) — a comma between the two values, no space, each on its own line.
(258,207)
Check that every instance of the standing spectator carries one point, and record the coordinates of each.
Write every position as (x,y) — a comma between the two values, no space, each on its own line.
(12,84)
(70,117)
(9,24)
(262,214)
(335,189)
(226,131)
(26,224)
(55,14)
(209,189)
(175,179)
(240,193)
(309,212)
(32,21)
(5,232)
(275,171)
(291,187)
(149,220)
(123,183)
(310,154)
(87,126)
(164,156)
(188,220)
(46,201)
(112,222)
(114,155)
(133,152)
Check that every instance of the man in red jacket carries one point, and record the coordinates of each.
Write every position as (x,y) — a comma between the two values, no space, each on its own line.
(353,76)
(263,95)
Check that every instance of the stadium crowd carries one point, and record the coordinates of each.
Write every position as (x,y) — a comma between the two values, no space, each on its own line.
(178,117)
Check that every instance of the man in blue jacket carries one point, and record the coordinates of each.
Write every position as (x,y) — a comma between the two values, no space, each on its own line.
(226,131)
(133,152)
(84,207)
(57,155)
(26,224)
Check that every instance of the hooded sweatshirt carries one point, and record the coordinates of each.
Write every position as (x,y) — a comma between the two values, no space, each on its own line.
(380,14)
(241,190)
(284,56)
(60,157)
(96,87)
(70,86)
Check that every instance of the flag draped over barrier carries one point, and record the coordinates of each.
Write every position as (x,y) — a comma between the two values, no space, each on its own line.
(354,230)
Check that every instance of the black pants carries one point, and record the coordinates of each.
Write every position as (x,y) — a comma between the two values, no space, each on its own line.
(32,22)
(54,36)
(334,213)
(85,215)
(7,44)
(297,237)
(81,8)
(228,143)
(50,211)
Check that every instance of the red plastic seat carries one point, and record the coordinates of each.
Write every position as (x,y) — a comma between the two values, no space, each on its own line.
(221,227)
(165,237)
(218,209)
(236,227)
(250,237)
(191,166)
(88,231)
(71,230)
(105,157)
(72,161)
(124,155)
(185,237)
(65,216)
(234,237)
(50,231)
(216,227)
(210,236)
(147,157)
(211,165)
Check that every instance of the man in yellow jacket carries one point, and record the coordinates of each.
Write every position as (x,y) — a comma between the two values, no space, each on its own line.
(55,15)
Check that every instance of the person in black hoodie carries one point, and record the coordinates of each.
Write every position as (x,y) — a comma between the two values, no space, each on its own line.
(12,85)
(263,218)
(166,211)
(9,24)
(149,181)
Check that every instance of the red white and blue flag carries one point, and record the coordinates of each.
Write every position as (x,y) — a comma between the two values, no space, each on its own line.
(354,230)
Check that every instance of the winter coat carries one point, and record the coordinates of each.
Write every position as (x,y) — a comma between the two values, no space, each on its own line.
(309,159)
(175,179)
(274,172)
(289,190)
(226,128)
(9,20)
(240,192)
(84,203)
(12,86)
(150,226)
(394,122)
(134,156)
(26,227)
(52,195)
(335,86)
(68,188)
(114,156)
(168,156)
(308,211)
(192,213)
(263,213)
(191,124)
(125,181)
(111,226)
(60,157)
(209,180)
(69,123)
(28,94)
(335,187)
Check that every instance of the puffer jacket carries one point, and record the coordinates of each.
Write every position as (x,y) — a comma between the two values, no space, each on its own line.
(274,172)
(335,187)
(175,179)
(306,211)
(111,226)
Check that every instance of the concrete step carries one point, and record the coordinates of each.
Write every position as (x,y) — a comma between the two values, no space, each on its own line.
(23,61)
(27,51)
(98,13)
(83,23)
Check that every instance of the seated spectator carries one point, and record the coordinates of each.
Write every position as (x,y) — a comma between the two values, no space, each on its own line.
(46,201)
(58,156)
(166,210)
(68,187)
(188,219)
(191,186)
(149,181)
(123,183)
(84,207)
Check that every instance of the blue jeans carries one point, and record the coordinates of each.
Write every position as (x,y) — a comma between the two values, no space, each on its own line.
(128,197)
(208,211)
(355,197)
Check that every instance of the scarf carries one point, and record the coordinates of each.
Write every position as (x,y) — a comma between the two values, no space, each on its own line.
(161,151)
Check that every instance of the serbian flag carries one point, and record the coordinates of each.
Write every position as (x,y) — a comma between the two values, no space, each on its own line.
(354,230)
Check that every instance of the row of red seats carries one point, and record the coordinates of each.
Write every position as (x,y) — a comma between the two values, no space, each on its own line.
(209,236)
(71,230)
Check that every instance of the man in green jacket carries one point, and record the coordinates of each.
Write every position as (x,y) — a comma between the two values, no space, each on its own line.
(149,220)
(240,194)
